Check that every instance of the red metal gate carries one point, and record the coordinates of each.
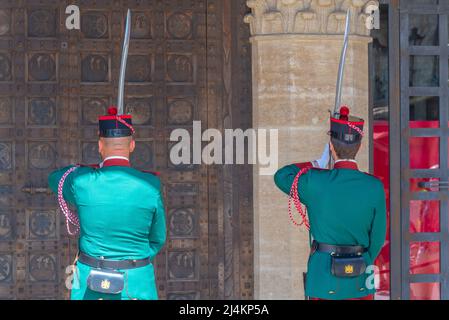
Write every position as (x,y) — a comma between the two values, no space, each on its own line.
(415,259)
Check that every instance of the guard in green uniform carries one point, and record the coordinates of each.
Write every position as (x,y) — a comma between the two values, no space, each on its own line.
(346,212)
(120,221)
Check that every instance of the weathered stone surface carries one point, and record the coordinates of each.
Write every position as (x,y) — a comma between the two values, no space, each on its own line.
(294,79)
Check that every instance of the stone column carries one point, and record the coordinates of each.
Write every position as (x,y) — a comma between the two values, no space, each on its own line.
(296,47)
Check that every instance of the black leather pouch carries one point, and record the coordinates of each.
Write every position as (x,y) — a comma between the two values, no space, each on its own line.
(105,281)
(348,266)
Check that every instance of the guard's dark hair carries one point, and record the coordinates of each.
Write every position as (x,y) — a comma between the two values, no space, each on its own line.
(345,151)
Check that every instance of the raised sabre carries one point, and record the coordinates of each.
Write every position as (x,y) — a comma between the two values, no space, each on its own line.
(341,67)
(341,70)
(121,84)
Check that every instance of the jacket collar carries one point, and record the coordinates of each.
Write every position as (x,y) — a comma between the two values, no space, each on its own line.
(346,164)
(115,161)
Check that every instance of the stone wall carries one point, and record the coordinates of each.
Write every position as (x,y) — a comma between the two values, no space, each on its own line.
(296,46)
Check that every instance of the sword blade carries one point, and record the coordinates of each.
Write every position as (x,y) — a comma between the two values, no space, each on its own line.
(341,67)
(121,85)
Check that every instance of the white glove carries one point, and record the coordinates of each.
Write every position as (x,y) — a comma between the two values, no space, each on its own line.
(325,157)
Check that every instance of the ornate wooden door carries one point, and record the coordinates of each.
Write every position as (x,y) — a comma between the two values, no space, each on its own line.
(189,60)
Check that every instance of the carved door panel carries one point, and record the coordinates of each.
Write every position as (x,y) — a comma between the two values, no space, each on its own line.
(55,82)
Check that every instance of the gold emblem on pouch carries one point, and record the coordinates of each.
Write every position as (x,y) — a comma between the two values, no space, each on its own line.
(349,269)
(105,284)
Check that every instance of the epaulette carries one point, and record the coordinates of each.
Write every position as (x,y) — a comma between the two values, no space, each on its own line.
(319,169)
(372,175)
(94,166)
(154,173)
(303,165)
(308,165)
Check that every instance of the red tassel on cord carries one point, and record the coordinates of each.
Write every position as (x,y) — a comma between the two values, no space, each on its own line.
(126,124)
(350,125)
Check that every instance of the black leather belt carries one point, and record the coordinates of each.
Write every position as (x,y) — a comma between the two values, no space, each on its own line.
(337,250)
(112,264)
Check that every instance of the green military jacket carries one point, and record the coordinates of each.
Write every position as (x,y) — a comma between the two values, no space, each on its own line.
(122,216)
(345,207)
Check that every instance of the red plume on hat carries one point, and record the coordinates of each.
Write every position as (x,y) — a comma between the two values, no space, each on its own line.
(112,111)
(344,113)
